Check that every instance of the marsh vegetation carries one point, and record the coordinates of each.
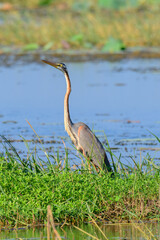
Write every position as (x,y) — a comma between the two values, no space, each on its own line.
(75,193)
(104,25)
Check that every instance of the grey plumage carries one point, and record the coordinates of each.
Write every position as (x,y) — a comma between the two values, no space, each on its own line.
(81,135)
(90,146)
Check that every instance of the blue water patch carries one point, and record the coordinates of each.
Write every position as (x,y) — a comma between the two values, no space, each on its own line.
(118,99)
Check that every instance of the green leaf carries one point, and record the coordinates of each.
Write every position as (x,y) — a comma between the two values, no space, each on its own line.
(158,139)
(30,47)
(117,4)
(81,6)
(45,2)
(117,198)
(77,38)
(6,49)
(48,46)
(105,3)
(88,45)
(113,45)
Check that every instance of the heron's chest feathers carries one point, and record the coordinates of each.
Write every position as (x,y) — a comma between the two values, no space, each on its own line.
(71,134)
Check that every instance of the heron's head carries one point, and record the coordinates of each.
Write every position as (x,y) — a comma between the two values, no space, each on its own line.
(60,66)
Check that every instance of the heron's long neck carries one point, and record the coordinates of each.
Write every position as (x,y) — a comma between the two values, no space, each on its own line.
(67,119)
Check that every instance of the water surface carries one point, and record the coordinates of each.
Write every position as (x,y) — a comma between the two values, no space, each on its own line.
(119,99)
(111,231)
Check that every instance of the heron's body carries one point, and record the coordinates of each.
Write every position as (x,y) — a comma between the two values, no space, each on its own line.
(90,145)
(81,135)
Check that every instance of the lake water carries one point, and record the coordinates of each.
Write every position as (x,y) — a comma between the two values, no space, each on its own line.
(111,231)
(120,99)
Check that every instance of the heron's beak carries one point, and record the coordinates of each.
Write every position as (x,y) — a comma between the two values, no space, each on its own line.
(50,63)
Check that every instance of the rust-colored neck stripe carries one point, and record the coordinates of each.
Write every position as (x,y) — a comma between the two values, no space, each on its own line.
(79,130)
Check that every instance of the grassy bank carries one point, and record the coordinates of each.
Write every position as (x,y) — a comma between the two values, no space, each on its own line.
(27,187)
(103,25)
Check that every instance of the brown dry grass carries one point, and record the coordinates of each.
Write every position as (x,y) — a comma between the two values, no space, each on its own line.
(136,209)
(133,27)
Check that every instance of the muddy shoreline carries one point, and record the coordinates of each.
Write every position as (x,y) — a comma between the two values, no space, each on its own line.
(78,55)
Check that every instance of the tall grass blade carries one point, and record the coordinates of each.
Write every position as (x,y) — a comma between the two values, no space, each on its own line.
(38,138)
(24,163)
(98,228)
(11,146)
(86,232)
(158,139)
(111,154)
(50,223)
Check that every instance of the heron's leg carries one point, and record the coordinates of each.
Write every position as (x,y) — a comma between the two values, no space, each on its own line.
(89,165)
(96,168)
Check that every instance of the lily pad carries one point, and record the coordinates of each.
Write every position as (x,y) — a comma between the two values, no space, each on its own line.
(117,4)
(30,47)
(113,45)
(106,3)
(77,38)
(48,46)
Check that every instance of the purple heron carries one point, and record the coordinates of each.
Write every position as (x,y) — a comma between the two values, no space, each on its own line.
(82,137)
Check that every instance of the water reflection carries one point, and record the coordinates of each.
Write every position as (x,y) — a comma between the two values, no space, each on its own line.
(120,99)
(138,231)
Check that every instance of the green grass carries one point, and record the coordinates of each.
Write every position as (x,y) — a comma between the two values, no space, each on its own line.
(28,186)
